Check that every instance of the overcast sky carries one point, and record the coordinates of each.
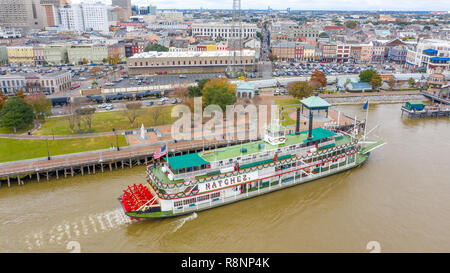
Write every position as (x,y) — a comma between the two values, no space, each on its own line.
(401,5)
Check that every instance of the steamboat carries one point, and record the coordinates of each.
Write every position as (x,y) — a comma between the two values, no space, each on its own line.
(198,181)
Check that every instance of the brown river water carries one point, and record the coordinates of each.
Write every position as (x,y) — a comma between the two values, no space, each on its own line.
(400,198)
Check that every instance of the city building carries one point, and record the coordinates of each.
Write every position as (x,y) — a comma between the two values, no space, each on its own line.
(56,81)
(430,54)
(20,55)
(84,17)
(215,30)
(25,14)
(79,54)
(152,62)
(329,52)
(11,83)
(397,54)
(125,5)
(55,54)
(342,53)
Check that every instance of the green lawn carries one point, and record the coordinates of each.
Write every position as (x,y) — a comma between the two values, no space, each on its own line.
(287,101)
(105,121)
(18,149)
(4,130)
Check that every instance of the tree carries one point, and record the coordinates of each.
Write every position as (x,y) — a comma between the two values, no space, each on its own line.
(351,24)
(347,82)
(16,113)
(411,82)
(3,99)
(132,111)
(86,114)
(20,94)
(376,81)
(156,47)
(71,116)
(220,92)
(272,57)
(366,75)
(323,35)
(300,89)
(318,79)
(196,91)
(42,106)
(156,113)
(85,61)
(391,83)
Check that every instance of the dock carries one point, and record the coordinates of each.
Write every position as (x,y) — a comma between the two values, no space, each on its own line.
(429,111)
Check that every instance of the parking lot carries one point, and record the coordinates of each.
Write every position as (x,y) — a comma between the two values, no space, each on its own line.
(306,69)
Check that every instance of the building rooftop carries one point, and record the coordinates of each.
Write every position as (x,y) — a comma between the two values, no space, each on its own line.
(190,54)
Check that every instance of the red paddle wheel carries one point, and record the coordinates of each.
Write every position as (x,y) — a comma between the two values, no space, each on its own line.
(135,197)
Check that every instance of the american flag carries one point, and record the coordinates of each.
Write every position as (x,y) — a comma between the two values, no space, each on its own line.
(160,153)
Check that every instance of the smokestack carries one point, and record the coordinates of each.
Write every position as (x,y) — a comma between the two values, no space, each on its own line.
(297,126)
(310,125)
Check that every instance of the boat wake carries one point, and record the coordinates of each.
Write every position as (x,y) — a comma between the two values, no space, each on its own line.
(69,231)
(182,221)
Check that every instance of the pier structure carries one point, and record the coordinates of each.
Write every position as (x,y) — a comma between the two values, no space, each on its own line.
(426,111)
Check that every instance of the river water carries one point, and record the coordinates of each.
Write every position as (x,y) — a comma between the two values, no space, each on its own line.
(400,198)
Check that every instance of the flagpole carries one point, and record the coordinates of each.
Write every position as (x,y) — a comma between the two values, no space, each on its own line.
(365,125)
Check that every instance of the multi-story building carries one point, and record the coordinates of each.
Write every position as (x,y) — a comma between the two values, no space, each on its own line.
(431,54)
(20,55)
(77,54)
(366,53)
(342,52)
(84,17)
(378,52)
(3,55)
(397,54)
(38,55)
(283,50)
(148,63)
(95,17)
(117,50)
(25,14)
(124,4)
(55,54)
(329,52)
(51,11)
(56,81)
(34,82)
(215,30)
(11,83)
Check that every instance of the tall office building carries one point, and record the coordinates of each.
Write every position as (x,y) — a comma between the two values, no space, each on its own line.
(125,4)
(84,17)
(25,14)
(51,10)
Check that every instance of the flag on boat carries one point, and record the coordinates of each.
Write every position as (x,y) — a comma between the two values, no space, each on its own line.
(366,105)
(160,153)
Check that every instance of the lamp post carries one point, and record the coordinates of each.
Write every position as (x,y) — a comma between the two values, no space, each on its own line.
(48,151)
(117,139)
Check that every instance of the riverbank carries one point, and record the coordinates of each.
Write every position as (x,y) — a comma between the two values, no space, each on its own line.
(379,97)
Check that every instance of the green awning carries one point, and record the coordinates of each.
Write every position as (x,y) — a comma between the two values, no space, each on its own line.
(315,102)
(319,133)
(186,161)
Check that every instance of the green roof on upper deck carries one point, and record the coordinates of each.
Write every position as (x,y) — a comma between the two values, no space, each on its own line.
(186,161)
(319,133)
(254,147)
(315,102)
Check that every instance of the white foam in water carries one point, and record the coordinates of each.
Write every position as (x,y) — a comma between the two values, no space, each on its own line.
(183,220)
(66,231)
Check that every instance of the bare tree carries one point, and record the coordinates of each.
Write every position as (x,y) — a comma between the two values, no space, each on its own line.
(132,111)
(155,113)
(86,114)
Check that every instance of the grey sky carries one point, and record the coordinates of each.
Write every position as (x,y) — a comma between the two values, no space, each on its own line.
(401,5)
